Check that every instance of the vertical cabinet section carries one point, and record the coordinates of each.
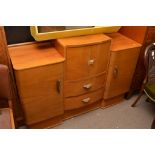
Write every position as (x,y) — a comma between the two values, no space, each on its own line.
(85,69)
(123,60)
(38,70)
(40,92)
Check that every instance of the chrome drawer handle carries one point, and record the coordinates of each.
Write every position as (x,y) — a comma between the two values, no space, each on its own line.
(91,62)
(86,100)
(87,86)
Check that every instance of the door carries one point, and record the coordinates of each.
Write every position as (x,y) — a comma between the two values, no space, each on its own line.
(77,63)
(40,92)
(100,54)
(121,69)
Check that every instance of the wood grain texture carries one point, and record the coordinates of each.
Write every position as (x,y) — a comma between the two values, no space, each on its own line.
(77,102)
(136,33)
(86,62)
(77,64)
(38,92)
(34,55)
(100,53)
(112,101)
(122,65)
(75,88)
(49,123)
(125,63)
(83,40)
(76,112)
(121,42)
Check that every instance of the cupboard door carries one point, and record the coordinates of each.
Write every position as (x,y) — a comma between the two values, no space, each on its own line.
(40,92)
(77,63)
(121,69)
(100,55)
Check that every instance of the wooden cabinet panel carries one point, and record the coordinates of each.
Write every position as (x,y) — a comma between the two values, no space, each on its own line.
(83,100)
(121,70)
(77,63)
(38,92)
(100,54)
(38,81)
(74,88)
(42,108)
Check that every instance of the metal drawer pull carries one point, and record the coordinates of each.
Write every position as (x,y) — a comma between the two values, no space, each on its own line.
(58,86)
(86,100)
(91,62)
(115,72)
(87,86)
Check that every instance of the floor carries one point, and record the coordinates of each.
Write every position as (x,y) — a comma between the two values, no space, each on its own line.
(120,116)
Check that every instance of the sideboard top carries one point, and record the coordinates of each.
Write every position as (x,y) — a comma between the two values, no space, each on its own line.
(121,42)
(34,55)
(83,40)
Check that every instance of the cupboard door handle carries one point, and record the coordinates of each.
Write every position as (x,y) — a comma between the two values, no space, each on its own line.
(91,62)
(115,72)
(87,86)
(86,100)
(58,86)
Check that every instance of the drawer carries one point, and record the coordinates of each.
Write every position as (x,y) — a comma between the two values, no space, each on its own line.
(75,88)
(83,100)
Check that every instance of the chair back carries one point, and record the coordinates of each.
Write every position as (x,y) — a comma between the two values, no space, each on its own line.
(5,90)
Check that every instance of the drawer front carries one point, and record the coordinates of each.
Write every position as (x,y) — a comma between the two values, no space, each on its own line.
(83,100)
(75,88)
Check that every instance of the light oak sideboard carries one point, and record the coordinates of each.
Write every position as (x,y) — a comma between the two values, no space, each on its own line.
(72,76)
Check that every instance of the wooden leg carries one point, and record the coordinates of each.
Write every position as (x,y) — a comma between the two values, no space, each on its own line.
(134,104)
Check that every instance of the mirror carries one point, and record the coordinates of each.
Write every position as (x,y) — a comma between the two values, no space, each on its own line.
(41,33)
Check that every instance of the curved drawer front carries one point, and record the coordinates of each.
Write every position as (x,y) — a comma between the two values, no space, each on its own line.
(80,87)
(83,100)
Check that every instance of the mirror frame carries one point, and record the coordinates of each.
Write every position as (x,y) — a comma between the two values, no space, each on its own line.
(70,33)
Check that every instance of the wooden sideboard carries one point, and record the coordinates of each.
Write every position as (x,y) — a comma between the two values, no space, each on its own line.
(73,76)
